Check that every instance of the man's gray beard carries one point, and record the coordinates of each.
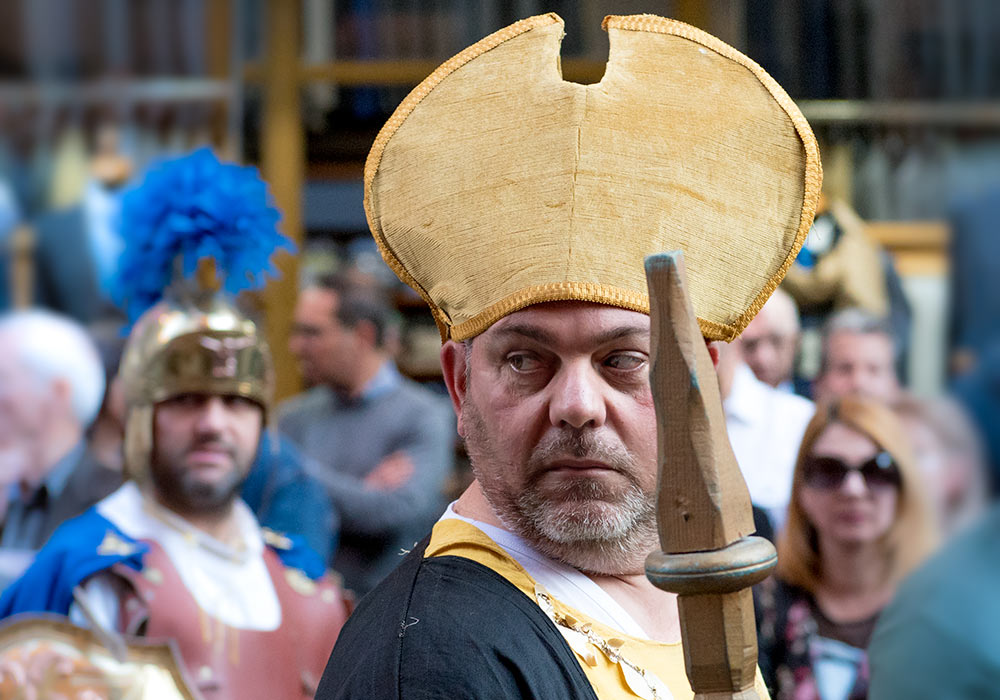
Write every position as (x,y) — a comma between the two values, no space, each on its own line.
(582,522)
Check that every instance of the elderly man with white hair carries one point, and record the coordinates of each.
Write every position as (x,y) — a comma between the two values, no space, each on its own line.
(51,388)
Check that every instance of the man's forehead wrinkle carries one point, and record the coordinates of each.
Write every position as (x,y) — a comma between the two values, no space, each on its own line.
(580,337)
(527,330)
(620,332)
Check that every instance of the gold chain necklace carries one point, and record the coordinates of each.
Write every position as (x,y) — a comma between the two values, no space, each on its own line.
(583,640)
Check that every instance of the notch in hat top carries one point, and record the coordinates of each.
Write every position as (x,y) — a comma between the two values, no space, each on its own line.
(496,184)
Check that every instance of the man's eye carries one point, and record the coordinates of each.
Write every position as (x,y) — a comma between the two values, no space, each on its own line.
(239,402)
(186,401)
(523,362)
(625,361)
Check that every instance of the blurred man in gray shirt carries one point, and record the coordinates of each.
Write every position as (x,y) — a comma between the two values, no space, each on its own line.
(382,444)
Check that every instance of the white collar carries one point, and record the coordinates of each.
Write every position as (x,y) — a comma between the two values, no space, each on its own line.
(231,583)
(566,584)
(140,517)
(747,396)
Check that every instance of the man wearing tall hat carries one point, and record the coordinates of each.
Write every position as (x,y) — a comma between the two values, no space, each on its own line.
(521,206)
(174,554)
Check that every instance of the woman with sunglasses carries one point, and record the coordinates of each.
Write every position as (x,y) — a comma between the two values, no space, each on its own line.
(858,521)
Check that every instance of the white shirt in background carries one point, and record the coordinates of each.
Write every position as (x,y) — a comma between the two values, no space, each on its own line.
(765,429)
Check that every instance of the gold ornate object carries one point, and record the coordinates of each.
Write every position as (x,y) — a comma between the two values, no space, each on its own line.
(276,539)
(195,343)
(496,184)
(47,657)
(22,266)
(849,274)
(113,545)
(300,583)
(703,506)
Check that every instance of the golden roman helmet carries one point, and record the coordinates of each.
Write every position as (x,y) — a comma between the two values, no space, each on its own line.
(180,346)
(496,184)
(193,224)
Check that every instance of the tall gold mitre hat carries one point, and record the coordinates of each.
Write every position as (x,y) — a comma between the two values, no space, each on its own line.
(496,184)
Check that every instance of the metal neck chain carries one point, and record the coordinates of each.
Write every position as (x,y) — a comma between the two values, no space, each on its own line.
(582,639)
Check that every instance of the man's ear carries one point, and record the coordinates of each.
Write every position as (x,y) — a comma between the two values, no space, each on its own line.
(713,351)
(453,366)
(62,393)
(366,333)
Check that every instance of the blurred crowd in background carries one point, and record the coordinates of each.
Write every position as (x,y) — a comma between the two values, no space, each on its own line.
(873,371)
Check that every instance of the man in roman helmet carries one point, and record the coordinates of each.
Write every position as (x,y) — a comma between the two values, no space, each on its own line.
(175,554)
(521,206)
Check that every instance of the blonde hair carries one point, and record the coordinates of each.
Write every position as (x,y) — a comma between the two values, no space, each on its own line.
(913,533)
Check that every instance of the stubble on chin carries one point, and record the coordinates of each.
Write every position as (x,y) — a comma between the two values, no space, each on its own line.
(581,524)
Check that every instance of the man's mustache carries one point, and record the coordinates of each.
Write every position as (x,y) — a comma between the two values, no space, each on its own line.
(584,445)
(213,444)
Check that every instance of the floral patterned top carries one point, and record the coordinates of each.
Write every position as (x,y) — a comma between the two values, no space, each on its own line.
(803,655)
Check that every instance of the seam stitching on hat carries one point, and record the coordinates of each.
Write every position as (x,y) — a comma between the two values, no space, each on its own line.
(572,202)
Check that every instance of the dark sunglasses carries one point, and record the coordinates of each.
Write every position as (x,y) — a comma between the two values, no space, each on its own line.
(880,472)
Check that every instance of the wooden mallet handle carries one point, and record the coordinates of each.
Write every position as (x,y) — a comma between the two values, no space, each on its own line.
(703,509)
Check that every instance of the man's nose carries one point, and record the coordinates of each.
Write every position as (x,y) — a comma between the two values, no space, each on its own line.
(766,352)
(857,380)
(577,397)
(212,416)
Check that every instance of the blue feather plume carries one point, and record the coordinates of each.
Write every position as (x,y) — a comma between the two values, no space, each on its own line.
(191,208)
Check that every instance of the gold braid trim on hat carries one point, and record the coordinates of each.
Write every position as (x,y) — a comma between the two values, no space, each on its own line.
(560,291)
(569,291)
